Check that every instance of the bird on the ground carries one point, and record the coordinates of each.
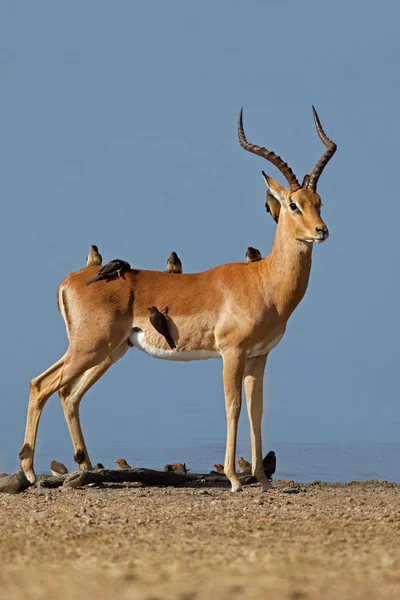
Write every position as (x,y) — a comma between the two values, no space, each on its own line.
(269,464)
(112,270)
(160,324)
(94,257)
(244,465)
(58,468)
(174,264)
(98,467)
(122,464)
(219,468)
(252,254)
(180,468)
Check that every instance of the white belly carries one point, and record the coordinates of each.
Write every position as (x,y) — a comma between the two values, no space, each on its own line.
(138,340)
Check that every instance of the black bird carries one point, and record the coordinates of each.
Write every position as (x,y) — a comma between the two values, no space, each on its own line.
(98,467)
(174,264)
(269,464)
(112,270)
(160,323)
(253,255)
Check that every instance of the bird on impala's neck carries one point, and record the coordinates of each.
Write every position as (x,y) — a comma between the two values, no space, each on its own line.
(122,464)
(174,264)
(160,324)
(244,465)
(252,254)
(94,257)
(58,468)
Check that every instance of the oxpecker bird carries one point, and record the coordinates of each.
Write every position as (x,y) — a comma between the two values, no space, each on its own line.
(160,323)
(174,264)
(244,465)
(253,255)
(112,270)
(58,468)
(94,258)
(122,464)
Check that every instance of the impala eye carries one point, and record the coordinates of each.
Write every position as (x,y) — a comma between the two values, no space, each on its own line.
(293,206)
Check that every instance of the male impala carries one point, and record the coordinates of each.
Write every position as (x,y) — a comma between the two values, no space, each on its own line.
(235,311)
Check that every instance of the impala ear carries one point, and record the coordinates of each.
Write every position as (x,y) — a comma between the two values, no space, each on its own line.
(274,194)
(306,181)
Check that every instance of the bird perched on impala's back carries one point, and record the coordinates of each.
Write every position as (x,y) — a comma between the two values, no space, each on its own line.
(122,464)
(160,324)
(269,464)
(174,264)
(94,257)
(244,465)
(252,254)
(219,468)
(181,468)
(98,467)
(58,468)
(112,270)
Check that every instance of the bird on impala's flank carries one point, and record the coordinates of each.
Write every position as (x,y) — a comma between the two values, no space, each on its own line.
(58,468)
(94,257)
(219,468)
(122,464)
(174,264)
(252,254)
(160,324)
(112,270)
(244,465)
(180,468)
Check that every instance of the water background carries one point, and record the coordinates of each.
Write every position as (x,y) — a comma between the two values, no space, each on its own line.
(303,462)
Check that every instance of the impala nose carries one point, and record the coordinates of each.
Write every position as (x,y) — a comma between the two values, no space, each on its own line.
(322,232)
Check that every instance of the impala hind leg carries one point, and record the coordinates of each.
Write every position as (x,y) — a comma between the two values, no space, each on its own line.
(253,386)
(71,396)
(58,375)
(233,369)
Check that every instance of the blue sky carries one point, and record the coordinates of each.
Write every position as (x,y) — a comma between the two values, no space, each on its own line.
(118,127)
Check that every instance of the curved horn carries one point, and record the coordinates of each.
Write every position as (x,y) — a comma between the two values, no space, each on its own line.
(325,158)
(271,156)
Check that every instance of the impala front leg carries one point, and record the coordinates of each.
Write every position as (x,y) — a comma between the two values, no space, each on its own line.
(253,386)
(233,368)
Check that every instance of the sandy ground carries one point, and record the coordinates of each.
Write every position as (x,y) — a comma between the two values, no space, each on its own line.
(296,541)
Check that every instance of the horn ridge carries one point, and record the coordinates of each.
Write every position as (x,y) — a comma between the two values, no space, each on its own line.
(325,158)
(271,156)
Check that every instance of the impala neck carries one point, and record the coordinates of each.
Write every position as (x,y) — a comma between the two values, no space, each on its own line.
(290,262)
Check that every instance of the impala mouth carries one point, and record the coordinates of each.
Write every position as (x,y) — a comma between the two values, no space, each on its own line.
(318,239)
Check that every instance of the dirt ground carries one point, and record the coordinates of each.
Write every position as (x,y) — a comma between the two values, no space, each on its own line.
(294,542)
